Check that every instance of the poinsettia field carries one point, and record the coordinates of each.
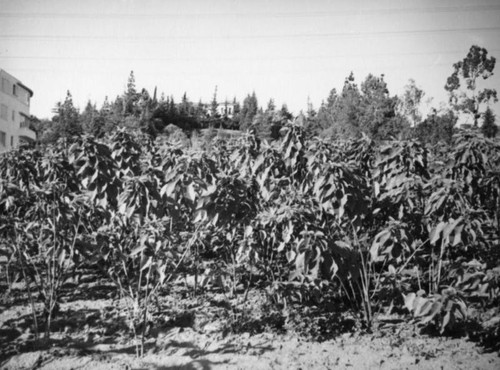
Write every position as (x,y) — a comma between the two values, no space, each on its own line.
(372,227)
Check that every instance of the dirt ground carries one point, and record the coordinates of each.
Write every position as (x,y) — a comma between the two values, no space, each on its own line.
(90,333)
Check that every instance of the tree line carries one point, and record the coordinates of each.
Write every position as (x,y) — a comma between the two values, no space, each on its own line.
(355,110)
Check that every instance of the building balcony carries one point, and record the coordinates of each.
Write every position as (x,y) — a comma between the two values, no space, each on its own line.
(25,133)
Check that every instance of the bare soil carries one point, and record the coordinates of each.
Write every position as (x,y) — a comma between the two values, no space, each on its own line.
(212,331)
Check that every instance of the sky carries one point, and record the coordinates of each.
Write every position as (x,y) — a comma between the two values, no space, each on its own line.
(294,51)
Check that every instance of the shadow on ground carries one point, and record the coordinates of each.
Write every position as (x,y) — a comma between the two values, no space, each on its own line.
(101,334)
(193,365)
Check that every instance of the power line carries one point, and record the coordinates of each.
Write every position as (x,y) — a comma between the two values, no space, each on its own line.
(364,12)
(245,37)
(253,58)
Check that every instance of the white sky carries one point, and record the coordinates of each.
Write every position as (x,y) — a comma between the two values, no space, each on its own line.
(285,49)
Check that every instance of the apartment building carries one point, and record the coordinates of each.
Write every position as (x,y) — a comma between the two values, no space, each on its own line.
(14,112)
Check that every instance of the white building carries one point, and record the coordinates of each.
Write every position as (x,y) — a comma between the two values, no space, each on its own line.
(14,112)
(225,109)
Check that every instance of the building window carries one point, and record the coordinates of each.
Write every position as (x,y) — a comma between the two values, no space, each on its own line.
(3,112)
(13,116)
(2,138)
(23,95)
(12,141)
(14,92)
(6,86)
(25,121)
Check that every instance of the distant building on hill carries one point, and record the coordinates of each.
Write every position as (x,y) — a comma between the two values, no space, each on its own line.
(225,109)
(14,112)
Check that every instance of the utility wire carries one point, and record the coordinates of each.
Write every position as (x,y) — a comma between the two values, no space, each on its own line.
(264,58)
(235,37)
(337,13)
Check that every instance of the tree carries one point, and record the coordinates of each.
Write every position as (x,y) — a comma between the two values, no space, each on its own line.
(147,106)
(345,110)
(235,120)
(326,114)
(214,104)
(184,115)
(285,113)
(465,96)
(67,118)
(93,121)
(271,106)
(279,119)
(88,116)
(369,110)
(200,111)
(131,98)
(110,114)
(184,106)
(248,111)
(436,127)
(263,122)
(311,112)
(489,128)
(214,112)
(312,120)
(377,113)
(131,84)
(261,125)
(409,103)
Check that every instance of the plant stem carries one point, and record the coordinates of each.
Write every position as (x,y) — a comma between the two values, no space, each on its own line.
(144,319)
(28,286)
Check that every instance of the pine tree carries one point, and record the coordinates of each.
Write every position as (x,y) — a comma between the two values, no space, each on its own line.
(248,111)
(88,116)
(271,107)
(184,106)
(213,106)
(347,112)
(131,91)
(67,118)
(489,128)
(131,98)
(377,113)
